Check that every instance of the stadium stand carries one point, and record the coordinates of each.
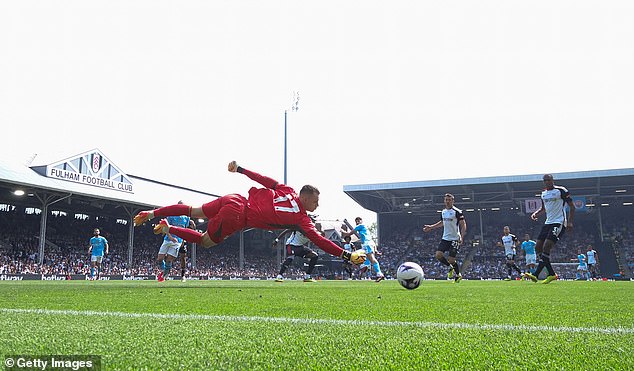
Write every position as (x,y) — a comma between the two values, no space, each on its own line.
(73,210)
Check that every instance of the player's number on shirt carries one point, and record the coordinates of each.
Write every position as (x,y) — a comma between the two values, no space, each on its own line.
(294,208)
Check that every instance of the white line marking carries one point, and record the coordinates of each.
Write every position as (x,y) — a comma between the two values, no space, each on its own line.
(338,322)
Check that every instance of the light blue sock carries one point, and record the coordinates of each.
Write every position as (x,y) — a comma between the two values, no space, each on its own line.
(167,267)
(377,268)
(92,272)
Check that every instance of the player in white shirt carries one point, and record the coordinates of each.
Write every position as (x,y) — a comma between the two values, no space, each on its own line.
(554,198)
(509,243)
(297,245)
(593,260)
(348,246)
(454,231)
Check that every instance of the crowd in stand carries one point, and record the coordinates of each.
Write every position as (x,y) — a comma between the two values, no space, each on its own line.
(66,251)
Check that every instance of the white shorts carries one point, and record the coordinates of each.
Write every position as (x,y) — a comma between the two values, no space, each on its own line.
(96,258)
(531,259)
(369,248)
(170,248)
(582,267)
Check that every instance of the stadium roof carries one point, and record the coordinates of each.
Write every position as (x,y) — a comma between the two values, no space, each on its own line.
(423,197)
(88,181)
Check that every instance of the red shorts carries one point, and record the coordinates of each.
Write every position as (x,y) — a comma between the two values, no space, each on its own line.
(226,215)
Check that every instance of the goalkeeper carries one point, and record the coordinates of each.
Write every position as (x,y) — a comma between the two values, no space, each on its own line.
(276,206)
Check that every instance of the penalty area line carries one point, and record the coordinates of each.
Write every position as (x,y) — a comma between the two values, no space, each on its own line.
(317,321)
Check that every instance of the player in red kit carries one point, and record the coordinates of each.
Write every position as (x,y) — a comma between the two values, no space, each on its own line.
(277,206)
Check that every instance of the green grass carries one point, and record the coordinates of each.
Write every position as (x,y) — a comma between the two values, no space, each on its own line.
(365,325)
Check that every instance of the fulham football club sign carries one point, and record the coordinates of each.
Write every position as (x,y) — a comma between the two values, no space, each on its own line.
(91,168)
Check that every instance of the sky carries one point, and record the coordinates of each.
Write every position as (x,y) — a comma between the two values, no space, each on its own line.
(390,91)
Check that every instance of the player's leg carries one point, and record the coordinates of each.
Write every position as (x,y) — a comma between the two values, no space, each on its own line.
(160,261)
(445,246)
(190,235)
(98,266)
(93,263)
(171,210)
(290,255)
(440,256)
(451,259)
(169,261)
(555,232)
(455,267)
(509,271)
(363,269)
(539,249)
(545,257)
(540,263)
(374,263)
(347,266)
(376,267)
(515,267)
(312,260)
(182,256)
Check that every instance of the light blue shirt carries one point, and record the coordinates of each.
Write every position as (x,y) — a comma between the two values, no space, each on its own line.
(364,234)
(177,221)
(98,245)
(529,247)
(592,257)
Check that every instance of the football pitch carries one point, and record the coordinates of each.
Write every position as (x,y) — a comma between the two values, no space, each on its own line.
(336,325)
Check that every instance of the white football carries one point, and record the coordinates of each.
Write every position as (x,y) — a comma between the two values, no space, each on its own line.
(410,275)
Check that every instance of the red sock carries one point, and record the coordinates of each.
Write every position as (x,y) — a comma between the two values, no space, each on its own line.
(173,210)
(187,234)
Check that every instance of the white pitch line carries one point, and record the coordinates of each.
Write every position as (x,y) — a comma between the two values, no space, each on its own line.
(338,322)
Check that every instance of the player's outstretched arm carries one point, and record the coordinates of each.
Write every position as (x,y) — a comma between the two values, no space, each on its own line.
(264,180)
(427,227)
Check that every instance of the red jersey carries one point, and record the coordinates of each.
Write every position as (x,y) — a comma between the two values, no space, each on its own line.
(278,207)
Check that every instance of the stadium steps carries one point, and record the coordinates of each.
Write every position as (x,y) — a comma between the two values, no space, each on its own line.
(466,263)
(612,259)
(615,249)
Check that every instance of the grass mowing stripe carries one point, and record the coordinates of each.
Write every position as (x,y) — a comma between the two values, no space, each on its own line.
(466,326)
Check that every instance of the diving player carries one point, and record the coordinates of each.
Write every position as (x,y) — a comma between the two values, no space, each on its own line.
(276,206)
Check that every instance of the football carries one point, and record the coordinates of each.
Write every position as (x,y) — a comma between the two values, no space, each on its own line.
(358,257)
(410,275)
